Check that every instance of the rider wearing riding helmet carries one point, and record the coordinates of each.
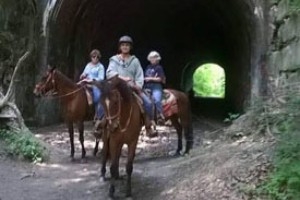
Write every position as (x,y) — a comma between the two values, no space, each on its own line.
(154,80)
(128,68)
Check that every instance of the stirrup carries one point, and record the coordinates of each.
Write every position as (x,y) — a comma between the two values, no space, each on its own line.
(161,119)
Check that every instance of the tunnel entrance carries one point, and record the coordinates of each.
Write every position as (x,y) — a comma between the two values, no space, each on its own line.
(186,33)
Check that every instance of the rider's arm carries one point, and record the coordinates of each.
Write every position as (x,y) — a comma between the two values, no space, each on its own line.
(159,76)
(101,73)
(139,74)
(111,69)
(85,72)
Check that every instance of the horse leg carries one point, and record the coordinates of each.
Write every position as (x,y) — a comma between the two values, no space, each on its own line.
(98,132)
(186,119)
(104,157)
(129,166)
(114,149)
(81,139)
(71,134)
(178,128)
(96,147)
(188,134)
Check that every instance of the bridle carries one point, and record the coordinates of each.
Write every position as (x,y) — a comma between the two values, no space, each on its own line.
(49,80)
(52,92)
(117,116)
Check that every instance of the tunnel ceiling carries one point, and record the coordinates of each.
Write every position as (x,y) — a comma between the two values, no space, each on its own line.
(191,31)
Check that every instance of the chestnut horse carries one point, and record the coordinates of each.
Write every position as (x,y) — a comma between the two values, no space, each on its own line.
(73,102)
(124,120)
(181,119)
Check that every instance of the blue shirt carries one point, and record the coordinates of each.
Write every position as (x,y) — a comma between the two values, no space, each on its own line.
(93,71)
(154,71)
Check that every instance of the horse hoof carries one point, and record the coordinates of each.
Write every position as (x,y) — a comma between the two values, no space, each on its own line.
(72,159)
(177,154)
(110,198)
(83,160)
(95,153)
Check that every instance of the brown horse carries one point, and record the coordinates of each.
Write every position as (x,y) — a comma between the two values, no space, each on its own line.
(73,101)
(124,120)
(181,118)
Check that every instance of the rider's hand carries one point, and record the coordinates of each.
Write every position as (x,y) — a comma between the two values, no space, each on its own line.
(126,78)
(146,79)
(83,76)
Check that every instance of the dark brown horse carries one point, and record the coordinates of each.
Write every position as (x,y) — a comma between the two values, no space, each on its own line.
(182,121)
(124,120)
(181,118)
(73,102)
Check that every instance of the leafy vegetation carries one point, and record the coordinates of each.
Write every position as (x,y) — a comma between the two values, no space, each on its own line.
(23,144)
(209,81)
(283,182)
(294,4)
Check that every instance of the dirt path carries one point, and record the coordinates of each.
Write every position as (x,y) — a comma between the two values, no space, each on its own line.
(202,175)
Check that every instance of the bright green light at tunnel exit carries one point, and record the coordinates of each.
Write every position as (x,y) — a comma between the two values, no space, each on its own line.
(209,81)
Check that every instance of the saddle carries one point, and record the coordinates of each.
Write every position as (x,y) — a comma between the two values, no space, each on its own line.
(89,96)
(169,103)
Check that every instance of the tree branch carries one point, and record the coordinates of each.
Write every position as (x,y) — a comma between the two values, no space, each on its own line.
(19,115)
(11,87)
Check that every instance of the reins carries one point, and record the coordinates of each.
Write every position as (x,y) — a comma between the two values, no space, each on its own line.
(64,95)
(118,115)
(50,78)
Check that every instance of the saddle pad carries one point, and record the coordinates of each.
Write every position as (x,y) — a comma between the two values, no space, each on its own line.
(169,103)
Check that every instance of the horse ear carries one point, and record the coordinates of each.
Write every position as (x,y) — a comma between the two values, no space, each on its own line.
(51,68)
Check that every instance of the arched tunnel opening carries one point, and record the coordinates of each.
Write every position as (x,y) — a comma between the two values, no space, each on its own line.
(186,33)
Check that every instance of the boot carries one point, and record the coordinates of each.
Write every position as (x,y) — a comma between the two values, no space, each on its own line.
(149,132)
(161,119)
(98,127)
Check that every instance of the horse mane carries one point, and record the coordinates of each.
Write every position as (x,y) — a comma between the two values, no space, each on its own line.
(66,80)
(125,91)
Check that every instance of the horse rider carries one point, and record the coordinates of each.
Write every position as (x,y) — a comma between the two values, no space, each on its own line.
(94,70)
(128,68)
(154,80)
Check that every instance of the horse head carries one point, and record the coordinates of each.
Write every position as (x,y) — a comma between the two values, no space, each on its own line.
(111,101)
(46,85)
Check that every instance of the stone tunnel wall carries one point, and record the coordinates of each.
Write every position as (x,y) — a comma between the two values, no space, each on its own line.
(284,52)
(274,48)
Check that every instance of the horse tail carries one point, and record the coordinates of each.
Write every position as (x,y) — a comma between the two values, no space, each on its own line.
(185,115)
(188,129)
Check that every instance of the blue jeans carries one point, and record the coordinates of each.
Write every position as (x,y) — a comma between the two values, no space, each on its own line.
(157,93)
(147,104)
(96,100)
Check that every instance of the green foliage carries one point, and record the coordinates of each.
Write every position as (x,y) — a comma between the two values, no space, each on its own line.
(23,144)
(294,4)
(284,181)
(209,81)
